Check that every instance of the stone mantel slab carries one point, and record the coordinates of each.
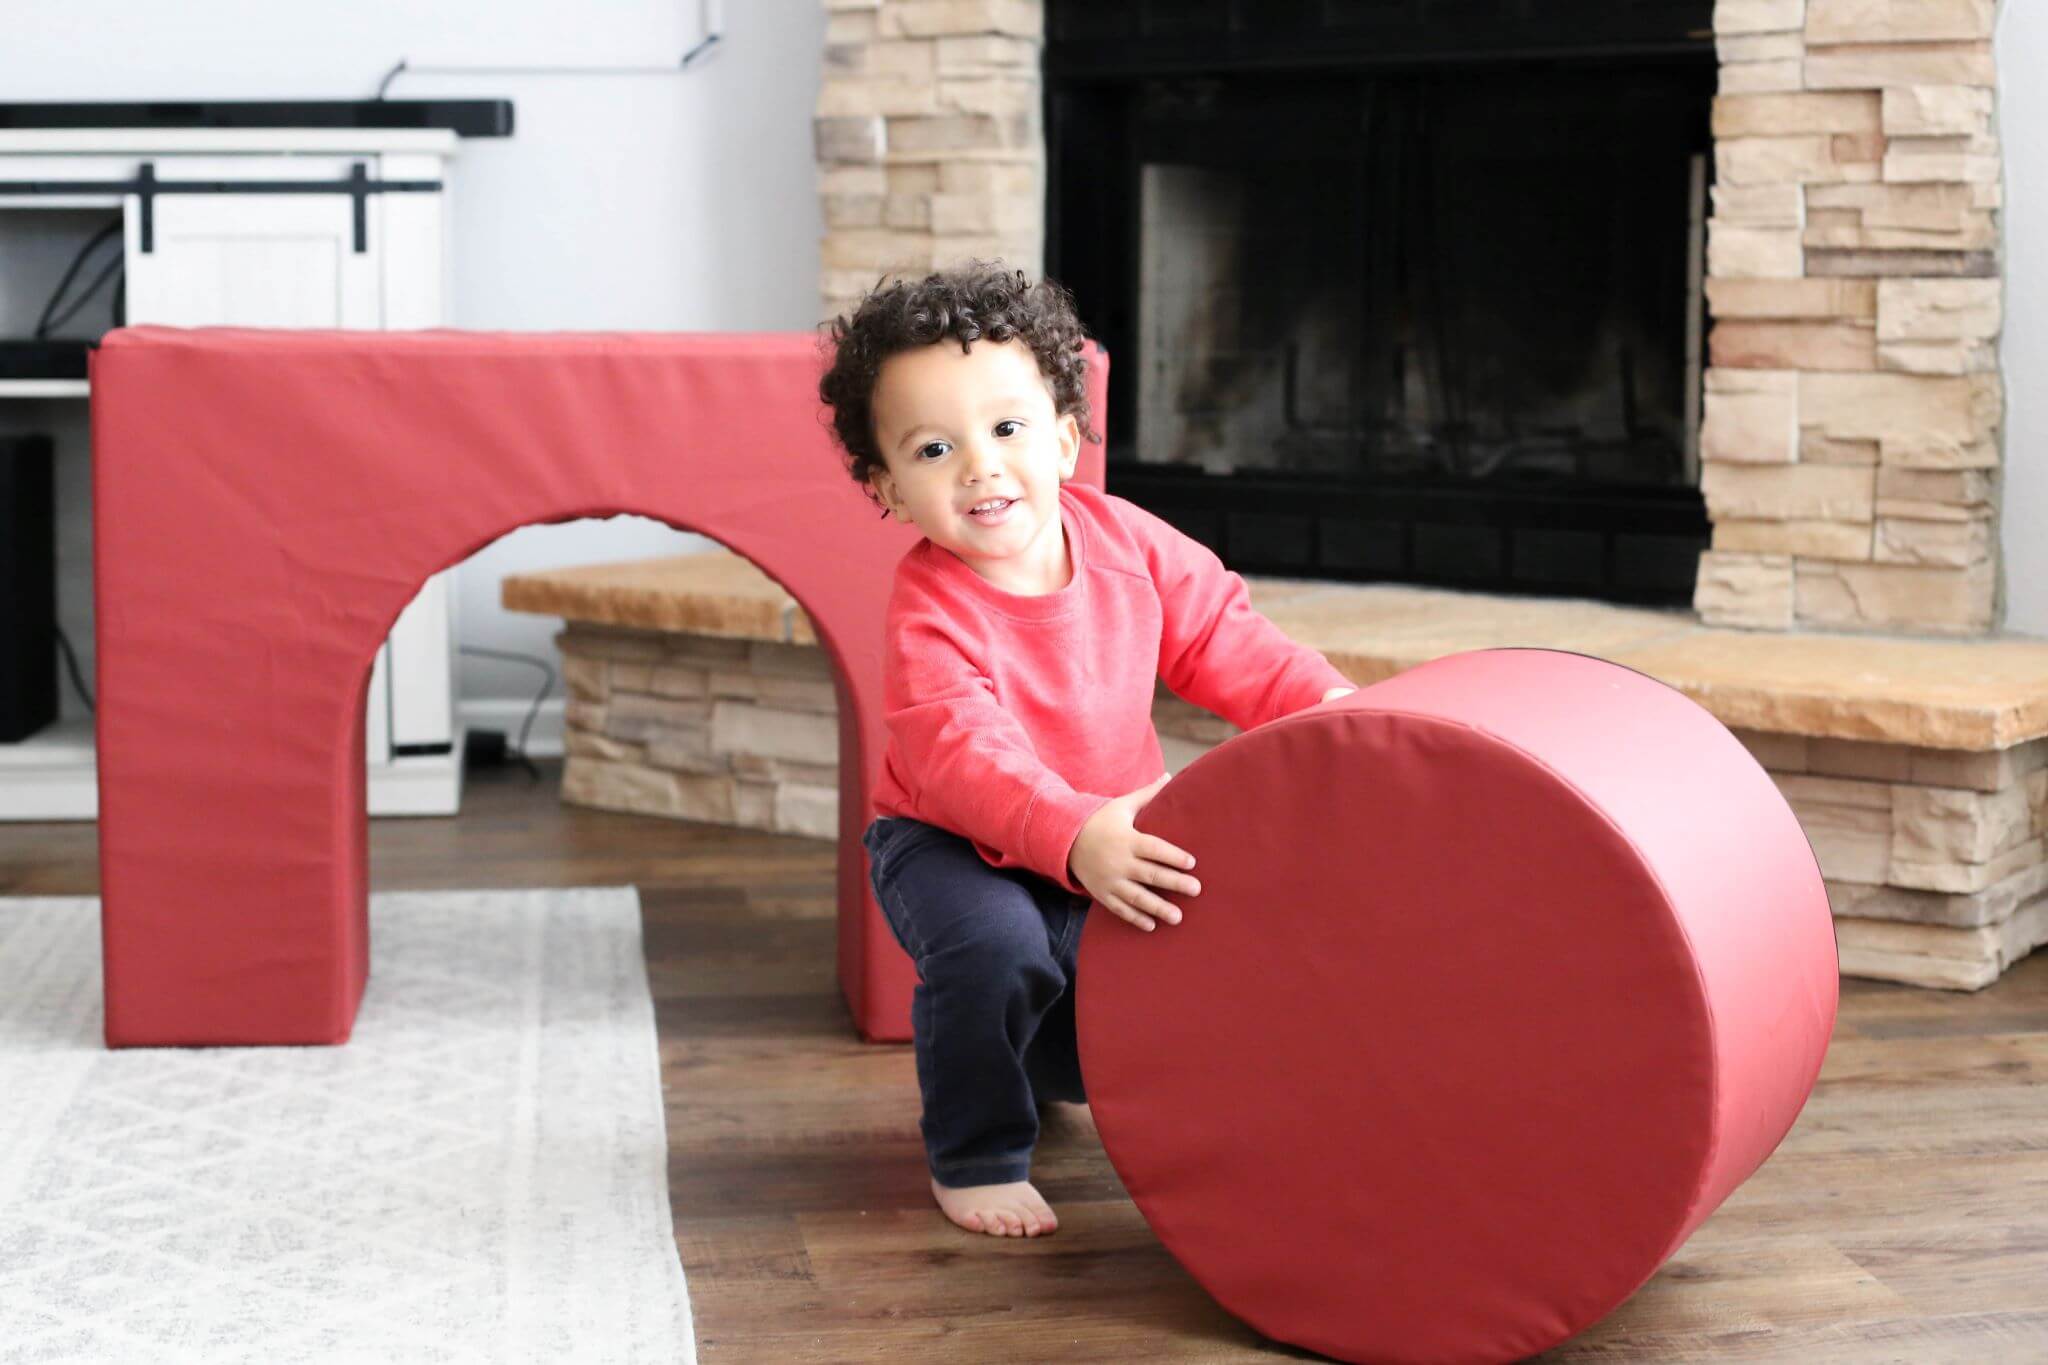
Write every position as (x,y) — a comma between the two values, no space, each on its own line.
(1980,694)
(714,592)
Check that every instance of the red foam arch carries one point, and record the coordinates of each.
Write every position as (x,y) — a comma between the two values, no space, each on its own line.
(265,504)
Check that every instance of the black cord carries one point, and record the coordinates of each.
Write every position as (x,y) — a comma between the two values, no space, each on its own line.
(48,321)
(71,664)
(519,751)
(117,266)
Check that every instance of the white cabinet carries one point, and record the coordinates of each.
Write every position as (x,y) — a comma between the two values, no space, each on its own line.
(217,233)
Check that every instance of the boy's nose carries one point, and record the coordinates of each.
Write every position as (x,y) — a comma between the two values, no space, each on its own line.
(982,462)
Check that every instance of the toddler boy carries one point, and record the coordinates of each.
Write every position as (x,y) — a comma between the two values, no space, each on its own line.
(1023,637)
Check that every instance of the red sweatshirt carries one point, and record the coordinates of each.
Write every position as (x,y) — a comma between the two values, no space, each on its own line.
(1013,719)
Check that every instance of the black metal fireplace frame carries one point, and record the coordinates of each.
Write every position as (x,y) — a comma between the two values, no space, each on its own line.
(1618,543)
(1621,543)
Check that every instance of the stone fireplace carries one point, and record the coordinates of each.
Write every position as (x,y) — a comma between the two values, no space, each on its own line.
(1824,424)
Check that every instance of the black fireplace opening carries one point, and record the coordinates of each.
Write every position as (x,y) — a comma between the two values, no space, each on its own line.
(1417,303)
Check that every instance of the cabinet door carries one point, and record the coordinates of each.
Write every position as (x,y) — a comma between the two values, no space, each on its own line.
(415,244)
(253,260)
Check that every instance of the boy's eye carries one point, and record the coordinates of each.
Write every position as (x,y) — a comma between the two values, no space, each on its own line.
(933,449)
(1008,422)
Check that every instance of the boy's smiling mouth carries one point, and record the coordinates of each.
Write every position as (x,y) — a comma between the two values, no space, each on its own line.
(994,509)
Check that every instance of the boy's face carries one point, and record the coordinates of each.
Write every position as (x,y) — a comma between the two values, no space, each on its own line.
(961,429)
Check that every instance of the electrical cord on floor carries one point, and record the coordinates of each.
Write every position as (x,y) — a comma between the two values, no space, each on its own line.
(518,751)
(71,667)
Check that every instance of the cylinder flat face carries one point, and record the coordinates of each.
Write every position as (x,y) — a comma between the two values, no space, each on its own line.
(1428,1072)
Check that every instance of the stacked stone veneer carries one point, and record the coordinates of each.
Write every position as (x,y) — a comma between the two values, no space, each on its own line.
(729,732)
(1850,439)
(930,144)
(1935,860)
(1851,421)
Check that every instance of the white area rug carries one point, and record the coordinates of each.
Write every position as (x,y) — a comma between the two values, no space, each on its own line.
(480,1174)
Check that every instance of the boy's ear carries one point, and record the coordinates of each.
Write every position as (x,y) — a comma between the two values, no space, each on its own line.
(885,489)
(1070,445)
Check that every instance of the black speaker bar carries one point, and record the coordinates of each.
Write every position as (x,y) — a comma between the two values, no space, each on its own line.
(465,118)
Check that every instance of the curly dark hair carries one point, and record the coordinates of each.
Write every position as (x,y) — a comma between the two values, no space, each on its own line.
(968,302)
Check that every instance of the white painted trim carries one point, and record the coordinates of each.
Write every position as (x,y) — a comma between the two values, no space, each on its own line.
(54,775)
(417,784)
(45,388)
(51,774)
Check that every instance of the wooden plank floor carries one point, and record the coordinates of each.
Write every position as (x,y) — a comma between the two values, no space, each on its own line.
(1904,1219)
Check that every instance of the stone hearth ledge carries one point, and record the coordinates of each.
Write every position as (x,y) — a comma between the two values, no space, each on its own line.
(1985,693)
(1917,766)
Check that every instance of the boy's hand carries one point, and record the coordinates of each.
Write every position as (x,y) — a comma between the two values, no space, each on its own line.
(1115,863)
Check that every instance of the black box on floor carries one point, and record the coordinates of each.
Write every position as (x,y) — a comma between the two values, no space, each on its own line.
(28,586)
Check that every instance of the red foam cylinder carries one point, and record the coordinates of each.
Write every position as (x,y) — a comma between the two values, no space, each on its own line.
(1505,972)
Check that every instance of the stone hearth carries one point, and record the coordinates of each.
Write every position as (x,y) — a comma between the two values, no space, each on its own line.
(1917,768)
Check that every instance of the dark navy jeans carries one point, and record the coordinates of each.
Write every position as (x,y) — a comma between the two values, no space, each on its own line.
(992,1018)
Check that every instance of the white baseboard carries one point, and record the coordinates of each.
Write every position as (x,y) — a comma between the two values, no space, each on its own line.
(507,715)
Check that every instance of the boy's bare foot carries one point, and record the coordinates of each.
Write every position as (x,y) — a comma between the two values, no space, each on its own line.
(1014,1210)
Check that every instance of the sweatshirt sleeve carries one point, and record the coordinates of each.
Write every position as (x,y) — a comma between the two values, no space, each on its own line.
(1215,649)
(976,768)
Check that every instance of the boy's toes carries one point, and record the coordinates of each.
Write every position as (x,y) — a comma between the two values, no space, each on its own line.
(1038,1219)
(997,1210)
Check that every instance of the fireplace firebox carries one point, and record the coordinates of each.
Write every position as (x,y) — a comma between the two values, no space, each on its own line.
(1397,290)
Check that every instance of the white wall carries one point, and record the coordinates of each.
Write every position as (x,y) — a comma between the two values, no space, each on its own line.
(2022,48)
(677,201)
